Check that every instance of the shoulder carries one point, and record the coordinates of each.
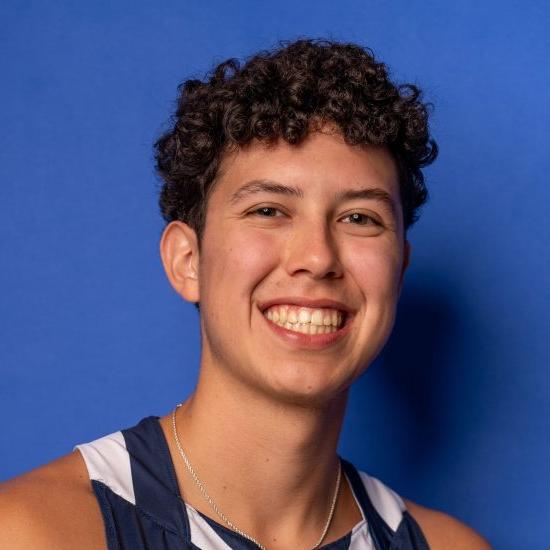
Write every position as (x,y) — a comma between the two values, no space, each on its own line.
(443,532)
(51,507)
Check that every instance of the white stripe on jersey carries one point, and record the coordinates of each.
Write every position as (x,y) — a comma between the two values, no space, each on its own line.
(360,538)
(202,534)
(387,502)
(108,461)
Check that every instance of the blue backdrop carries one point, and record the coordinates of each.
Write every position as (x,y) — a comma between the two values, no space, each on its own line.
(454,414)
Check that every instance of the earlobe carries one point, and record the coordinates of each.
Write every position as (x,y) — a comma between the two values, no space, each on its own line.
(179,251)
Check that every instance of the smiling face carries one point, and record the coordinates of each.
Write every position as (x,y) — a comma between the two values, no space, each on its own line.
(300,265)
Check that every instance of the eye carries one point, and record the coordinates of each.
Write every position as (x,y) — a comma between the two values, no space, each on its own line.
(357,218)
(265,212)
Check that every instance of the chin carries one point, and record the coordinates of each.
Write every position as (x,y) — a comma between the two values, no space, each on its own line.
(307,391)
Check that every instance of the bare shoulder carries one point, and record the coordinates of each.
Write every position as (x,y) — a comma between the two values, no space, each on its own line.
(443,532)
(51,507)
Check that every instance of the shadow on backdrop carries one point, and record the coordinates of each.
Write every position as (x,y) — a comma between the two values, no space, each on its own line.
(411,401)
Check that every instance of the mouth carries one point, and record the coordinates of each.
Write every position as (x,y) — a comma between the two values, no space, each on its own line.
(306,323)
(307,320)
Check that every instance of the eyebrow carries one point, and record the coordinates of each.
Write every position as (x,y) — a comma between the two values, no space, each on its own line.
(268,186)
(370,193)
(265,186)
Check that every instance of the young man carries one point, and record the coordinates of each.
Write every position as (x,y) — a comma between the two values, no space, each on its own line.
(290,184)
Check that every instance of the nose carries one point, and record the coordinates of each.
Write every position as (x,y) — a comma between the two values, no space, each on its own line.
(313,250)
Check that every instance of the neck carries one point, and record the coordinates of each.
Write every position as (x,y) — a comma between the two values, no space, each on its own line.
(271,467)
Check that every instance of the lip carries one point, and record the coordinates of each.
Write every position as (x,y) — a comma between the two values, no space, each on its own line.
(310,341)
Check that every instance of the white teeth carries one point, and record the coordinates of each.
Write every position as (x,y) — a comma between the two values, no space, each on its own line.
(304,316)
(317,317)
(305,320)
(306,328)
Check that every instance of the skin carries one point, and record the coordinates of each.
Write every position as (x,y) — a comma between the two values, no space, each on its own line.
(256,390)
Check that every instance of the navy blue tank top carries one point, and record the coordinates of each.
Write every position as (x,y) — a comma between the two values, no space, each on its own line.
(135,484)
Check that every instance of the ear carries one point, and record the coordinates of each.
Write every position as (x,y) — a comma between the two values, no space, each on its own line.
(406,261)
(179,251)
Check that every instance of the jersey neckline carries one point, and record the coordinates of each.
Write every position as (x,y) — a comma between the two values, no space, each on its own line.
(348,470)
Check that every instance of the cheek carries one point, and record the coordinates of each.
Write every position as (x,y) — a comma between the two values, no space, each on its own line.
(376,268)
(240,259)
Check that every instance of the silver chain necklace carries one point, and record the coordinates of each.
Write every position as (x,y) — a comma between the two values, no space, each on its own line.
(221,515)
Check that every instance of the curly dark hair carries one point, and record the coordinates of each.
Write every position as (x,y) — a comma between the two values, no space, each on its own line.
(282,94)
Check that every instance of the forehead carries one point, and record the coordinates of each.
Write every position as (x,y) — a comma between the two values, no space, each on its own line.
(322,165)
